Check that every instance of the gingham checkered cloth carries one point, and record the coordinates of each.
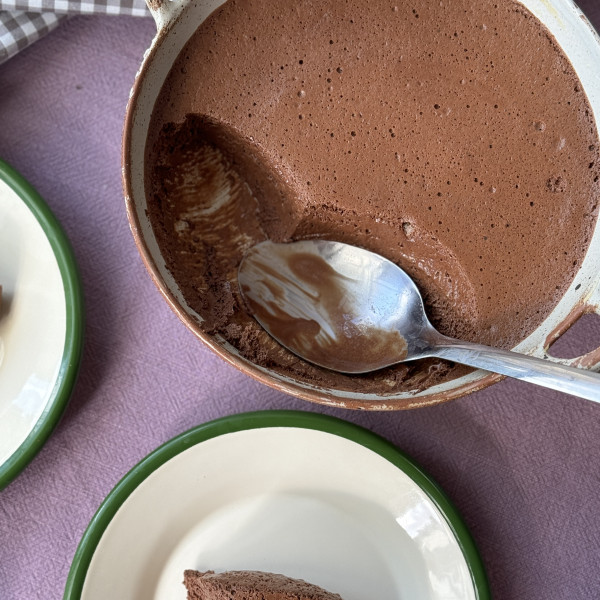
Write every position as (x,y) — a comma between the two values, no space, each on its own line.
(22,22)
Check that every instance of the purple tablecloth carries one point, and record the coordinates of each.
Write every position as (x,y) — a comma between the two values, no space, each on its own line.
(521,464)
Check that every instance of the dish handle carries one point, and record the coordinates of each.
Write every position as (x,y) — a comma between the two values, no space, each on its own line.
(590,360)
(165,12)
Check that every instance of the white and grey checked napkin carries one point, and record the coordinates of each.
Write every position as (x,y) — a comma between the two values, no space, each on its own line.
(23,22)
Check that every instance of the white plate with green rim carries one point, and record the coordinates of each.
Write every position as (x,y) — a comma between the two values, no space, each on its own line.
(306,495)
(41,323)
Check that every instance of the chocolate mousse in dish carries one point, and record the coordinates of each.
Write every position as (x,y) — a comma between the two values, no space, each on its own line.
(250,585)
(454,138)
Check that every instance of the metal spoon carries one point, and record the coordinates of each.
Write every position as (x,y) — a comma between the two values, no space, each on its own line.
(353,311)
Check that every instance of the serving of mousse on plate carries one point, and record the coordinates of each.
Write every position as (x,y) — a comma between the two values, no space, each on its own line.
(277,505)
(41,323)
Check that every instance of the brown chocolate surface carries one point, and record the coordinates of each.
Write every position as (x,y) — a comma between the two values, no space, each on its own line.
(251,585)
(453,138)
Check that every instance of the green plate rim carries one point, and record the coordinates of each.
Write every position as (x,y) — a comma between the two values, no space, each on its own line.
(72,351)
(264,419)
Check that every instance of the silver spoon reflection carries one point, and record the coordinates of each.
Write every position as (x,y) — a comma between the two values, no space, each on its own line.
(353,311)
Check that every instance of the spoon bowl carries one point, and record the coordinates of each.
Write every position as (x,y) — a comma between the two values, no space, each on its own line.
(350,310)
(335,305)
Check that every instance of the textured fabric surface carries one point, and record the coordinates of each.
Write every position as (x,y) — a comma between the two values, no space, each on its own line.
(23,22)
(521,464)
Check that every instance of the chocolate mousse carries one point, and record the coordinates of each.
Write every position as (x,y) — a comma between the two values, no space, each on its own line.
(454,138)
(250,585)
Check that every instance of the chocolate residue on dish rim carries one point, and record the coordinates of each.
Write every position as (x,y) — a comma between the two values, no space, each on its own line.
(458,144)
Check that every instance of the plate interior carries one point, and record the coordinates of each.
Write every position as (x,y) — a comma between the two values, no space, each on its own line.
(297,501)
(33,319)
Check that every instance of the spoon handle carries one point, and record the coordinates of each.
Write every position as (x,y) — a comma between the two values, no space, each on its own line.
(578,382)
